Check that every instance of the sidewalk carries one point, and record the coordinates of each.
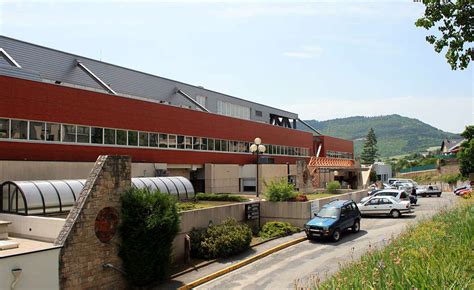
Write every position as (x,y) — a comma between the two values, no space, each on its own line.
(224,263)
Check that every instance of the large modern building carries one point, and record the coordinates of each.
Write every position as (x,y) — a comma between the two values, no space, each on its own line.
(59,111)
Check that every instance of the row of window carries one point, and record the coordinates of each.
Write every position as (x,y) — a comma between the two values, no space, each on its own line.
(56,132)
(337,154)
(233,110)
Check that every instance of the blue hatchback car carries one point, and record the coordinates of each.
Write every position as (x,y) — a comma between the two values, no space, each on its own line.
(333,219)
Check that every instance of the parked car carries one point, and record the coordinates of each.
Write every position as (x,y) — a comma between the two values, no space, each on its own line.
(385,205)
(428,191)
(333,219)
(462,189)
(397,193)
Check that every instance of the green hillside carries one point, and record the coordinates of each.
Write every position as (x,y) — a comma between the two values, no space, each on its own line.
(396,135)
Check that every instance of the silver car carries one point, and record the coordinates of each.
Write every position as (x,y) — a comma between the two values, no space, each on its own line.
(385,205)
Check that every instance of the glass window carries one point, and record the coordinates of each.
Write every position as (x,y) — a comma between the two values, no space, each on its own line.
(189,142)
(201,100)
(172,141)
(132,138)
(19,129)
(53,132)
(69,133)
(196,143)
(217,145)
(225,145)
(163,140)
(153,140)
(210,144)
(83,134)
(97,135)
(37,131)
(181,142)
(143,139)
(204,144)
(4,128)
(109,136)
(121,137)
(231,146)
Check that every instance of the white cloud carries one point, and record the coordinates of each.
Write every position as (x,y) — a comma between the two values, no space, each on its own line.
(305,51)
(450,114)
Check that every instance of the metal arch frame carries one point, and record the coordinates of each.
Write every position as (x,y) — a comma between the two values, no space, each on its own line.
(177,190)
(185,189)
(59,196)
(18,189)
(42,196)
(70,188)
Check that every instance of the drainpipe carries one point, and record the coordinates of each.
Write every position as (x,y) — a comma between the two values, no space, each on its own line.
(16,277)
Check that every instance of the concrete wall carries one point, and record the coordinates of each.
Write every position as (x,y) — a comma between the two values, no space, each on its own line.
(201,218)
(222,178)
(298,213)
(33,227)
(271,172)
(39,270)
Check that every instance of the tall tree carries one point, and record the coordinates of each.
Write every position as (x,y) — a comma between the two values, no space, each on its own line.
(455,20)
(369,152)
(465,155)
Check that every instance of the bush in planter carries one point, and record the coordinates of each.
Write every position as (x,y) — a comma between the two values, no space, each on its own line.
(220,241)
(277,229)
(280,190)
(333,186)
(149,223)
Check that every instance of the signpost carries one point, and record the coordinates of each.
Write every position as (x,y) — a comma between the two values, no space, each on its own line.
(252,211)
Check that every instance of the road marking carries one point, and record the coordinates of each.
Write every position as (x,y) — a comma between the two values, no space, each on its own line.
(241,264)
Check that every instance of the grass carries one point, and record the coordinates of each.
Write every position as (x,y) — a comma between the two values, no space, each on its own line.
(319,195)
(435,254)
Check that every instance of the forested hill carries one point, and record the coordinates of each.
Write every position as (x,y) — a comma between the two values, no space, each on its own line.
(396,135)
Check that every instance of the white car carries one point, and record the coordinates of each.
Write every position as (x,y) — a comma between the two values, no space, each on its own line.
(385,205)
(396,193)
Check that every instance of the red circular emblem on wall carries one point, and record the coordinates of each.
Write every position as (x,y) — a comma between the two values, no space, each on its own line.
(106,224)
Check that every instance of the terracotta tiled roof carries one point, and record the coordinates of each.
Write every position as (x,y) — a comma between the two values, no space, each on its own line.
(328,162)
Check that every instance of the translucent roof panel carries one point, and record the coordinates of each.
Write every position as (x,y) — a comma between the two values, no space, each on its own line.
(42,197)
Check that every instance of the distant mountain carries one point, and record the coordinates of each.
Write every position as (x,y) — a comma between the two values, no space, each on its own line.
(396,135)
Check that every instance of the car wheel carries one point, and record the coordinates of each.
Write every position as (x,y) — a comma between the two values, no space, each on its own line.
(439,195)
(395,213)
(423,195)
(336,235)
(309,237)
(356,226)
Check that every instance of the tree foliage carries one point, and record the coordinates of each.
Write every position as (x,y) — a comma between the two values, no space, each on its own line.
(455,20)
(465,155)
(150,222)
(369,152)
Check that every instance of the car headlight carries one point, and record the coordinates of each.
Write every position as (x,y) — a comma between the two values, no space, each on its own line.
(306,226)
(325,228)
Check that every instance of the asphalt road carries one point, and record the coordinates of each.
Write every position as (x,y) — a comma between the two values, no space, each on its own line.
(296,267)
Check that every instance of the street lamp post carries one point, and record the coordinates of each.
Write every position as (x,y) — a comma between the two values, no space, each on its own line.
(257,148)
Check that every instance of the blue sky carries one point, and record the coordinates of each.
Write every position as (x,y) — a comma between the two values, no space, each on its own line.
(322,60)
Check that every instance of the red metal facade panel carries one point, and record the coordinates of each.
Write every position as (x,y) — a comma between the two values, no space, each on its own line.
(337,144)
(31,100)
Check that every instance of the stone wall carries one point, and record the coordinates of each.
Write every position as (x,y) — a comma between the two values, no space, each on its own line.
(83,255)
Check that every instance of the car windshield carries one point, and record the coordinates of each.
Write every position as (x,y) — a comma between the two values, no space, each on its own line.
(329,212)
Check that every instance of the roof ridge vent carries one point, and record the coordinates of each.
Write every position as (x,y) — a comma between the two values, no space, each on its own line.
(8,58)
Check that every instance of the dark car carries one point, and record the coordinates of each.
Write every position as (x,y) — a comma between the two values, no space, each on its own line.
(333,219)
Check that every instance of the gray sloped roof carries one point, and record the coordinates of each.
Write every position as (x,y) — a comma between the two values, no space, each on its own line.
(55,65)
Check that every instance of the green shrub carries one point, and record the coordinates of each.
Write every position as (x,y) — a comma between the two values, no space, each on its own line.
(220,241)
(280,190)
(333,186)
(149,223)
(450,178)
(219,197)
(277,229)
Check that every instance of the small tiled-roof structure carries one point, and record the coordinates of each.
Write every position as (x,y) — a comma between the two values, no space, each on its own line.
(327,162)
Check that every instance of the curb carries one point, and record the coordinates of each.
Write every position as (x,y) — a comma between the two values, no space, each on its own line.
(207,263)
(240,264)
